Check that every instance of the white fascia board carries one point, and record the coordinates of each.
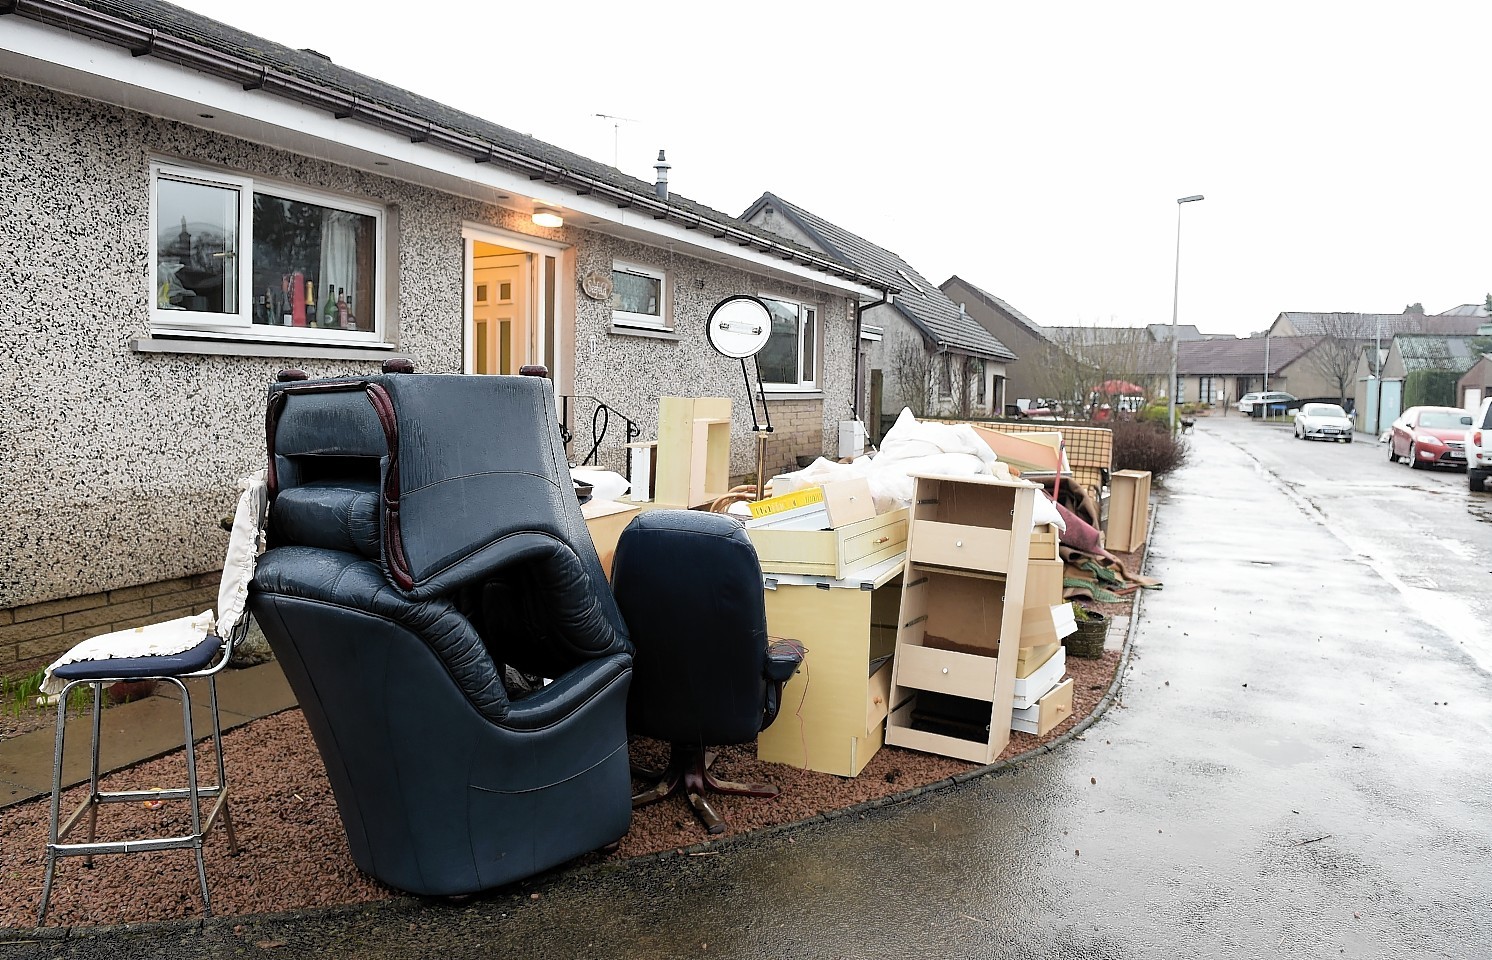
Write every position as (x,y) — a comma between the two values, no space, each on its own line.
(36,53)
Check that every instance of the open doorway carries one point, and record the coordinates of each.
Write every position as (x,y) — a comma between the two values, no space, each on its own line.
(501,312)
(513,305)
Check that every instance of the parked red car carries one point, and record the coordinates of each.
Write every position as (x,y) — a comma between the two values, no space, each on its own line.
(1425,436)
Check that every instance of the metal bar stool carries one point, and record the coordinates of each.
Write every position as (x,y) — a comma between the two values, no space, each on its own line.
(201,661)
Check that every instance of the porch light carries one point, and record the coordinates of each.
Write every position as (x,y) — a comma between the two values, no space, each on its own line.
(548,217)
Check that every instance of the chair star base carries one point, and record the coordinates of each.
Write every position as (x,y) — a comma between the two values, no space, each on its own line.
(689,767)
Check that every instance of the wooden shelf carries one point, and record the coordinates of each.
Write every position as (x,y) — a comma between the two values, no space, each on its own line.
(953,680)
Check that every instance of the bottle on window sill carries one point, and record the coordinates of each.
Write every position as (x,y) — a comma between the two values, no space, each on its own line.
(310,313)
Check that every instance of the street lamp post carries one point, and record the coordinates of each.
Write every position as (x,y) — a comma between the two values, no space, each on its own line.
(1175,299)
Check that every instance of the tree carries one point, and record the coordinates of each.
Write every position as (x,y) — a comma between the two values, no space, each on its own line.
(1418,308)
(912,372)
(1335,355)
(1080,359)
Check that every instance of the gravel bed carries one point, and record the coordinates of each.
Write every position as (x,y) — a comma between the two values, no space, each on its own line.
(293,852)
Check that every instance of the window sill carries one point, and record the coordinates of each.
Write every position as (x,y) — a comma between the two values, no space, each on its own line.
(251,348)
(790,394)
(654,333)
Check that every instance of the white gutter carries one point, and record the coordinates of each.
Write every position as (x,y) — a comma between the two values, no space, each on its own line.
(80,51)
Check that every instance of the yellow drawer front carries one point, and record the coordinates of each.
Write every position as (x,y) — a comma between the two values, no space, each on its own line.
(945,671)
(878,697)
(872,546)
(958,545)
(1049,711)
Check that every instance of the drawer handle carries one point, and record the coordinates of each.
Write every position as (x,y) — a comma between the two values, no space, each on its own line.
(945,669)
(882,540)
(958,543)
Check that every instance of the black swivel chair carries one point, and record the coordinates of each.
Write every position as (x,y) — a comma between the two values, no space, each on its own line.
(425,537)
(689,586)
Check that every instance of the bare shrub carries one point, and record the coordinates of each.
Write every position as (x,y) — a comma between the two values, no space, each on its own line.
(1147,445)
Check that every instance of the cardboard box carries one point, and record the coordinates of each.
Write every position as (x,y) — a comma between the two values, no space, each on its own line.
(1044,539)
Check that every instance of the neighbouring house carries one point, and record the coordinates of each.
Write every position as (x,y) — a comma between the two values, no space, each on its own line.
(918,348)
(1475,384)
(1218,371)
(1440,358)
(1417,369)
(1018,332)
(190,208)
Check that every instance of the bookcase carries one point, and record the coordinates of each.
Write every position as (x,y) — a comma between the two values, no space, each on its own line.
(963,593)
(692,462)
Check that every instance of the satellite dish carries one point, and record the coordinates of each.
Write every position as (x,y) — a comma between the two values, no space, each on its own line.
(739,326)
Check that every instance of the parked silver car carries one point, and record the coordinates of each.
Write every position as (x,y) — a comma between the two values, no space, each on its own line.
(1323,421)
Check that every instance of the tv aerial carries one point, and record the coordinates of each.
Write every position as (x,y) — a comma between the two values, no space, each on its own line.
(738,327)
(616,134)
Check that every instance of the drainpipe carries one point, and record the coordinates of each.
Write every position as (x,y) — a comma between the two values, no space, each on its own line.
(860,309)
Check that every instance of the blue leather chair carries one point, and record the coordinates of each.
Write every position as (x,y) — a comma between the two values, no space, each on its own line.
(689,585)
(426,543)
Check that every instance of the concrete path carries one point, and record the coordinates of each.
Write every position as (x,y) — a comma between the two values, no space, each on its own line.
(132,732)
(1299,769)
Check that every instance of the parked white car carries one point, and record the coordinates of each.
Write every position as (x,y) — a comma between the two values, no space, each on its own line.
(1323,421)
(1479,447)
(1275,401)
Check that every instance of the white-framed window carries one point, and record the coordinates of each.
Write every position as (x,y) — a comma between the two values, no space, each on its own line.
(1207,390)
(790,359)
(236,256)
(639,296)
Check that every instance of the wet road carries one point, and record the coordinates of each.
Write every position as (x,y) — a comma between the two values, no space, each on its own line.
(1423,531)
(1299,769)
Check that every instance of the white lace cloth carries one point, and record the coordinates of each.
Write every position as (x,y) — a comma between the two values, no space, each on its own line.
(152,640)
(182,634)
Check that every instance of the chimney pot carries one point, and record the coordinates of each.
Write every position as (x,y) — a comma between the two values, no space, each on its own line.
(662,167)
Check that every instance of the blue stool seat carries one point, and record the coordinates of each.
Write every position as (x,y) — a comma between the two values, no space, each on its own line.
(139,668)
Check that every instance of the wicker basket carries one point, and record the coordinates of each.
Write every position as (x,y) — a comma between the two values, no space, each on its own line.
(1087,641)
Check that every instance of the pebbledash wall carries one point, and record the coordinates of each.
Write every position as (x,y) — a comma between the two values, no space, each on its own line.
(118,465)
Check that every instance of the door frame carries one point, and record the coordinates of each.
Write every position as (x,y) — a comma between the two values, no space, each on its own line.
(473,233)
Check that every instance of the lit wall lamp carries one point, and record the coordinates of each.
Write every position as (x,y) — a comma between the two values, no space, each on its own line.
(548,217)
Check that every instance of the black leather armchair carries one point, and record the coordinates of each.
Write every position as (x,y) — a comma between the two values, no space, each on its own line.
(425,541)
(689,586)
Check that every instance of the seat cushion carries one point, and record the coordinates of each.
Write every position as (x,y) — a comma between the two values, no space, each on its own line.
(135,668)
(330,514)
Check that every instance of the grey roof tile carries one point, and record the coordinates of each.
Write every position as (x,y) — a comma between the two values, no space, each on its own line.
(928,307)
(997,304)
(321,73)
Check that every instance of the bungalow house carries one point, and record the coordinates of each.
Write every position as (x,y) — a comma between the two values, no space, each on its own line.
(1218,371)
(190,209)
(1014,329)
(918,348)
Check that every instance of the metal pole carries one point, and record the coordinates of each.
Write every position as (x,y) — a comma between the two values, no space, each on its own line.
(1175,300)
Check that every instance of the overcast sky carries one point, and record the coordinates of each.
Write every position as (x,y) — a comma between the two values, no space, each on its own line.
(1034,149)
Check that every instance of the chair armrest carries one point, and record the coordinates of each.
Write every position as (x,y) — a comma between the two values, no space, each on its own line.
(556,701)
(783,659)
